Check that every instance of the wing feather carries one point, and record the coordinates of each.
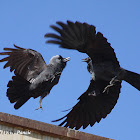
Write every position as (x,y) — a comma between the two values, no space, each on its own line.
(83,37)
(25,62)
(92,108)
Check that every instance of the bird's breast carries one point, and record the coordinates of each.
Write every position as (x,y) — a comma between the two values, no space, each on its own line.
(105,71)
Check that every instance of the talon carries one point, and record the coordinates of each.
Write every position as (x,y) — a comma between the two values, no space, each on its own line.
(57,73)
(107,88)
(40,104)
(39,108)
(53,79)
(111,83)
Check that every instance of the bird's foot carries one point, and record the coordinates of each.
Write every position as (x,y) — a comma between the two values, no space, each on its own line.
(107,88)
(111,83)
(114,79)
(39,108)
(57,73)
(53,78)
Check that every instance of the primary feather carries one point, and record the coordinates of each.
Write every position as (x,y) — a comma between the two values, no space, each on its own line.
(106,74)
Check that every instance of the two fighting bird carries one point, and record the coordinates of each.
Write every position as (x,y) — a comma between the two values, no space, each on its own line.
(106,74)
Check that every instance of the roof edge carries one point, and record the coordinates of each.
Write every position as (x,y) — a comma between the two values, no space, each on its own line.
(45,128)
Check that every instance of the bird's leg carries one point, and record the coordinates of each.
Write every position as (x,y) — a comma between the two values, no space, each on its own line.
(40,107)
(57,73)
(53,78)
(111,83)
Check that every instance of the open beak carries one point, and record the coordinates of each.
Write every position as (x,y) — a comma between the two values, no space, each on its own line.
(66,59)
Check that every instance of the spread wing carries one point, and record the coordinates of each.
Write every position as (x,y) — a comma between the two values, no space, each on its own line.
(92,108)
(83,37)
(25,62)
(93,105)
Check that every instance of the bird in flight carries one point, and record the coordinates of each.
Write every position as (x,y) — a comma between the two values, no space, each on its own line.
(106,74)
(33,77)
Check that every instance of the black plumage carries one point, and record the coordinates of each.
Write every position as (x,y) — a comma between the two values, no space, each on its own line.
(106,73)
(33,78)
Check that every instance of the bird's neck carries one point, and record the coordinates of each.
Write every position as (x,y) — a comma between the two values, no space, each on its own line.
(55,68)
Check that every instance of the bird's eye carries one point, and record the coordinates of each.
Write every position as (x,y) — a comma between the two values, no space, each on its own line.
(60,57)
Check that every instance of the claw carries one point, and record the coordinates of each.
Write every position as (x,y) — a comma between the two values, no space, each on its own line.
(53,78)
(39,108)
(107,88)
(111,83)
(57,73)
(40,104)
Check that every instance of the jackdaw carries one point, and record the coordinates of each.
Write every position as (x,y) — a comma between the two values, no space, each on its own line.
(33,78)
(106,74)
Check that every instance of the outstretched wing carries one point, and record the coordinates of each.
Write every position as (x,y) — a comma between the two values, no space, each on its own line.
(25,62)
(93,105)
(92,108)
(83,37)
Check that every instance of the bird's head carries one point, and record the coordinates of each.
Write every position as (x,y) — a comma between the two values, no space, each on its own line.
(88,59)
(58,60)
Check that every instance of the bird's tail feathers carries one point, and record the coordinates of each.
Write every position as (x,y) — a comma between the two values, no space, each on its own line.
(18,91)
(132,78)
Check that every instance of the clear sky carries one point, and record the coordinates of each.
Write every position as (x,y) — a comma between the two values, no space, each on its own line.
(24,23)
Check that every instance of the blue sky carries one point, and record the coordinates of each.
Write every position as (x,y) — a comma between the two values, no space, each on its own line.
(24,23)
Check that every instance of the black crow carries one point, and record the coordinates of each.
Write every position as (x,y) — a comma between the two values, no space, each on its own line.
(106,73)
(33,78)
